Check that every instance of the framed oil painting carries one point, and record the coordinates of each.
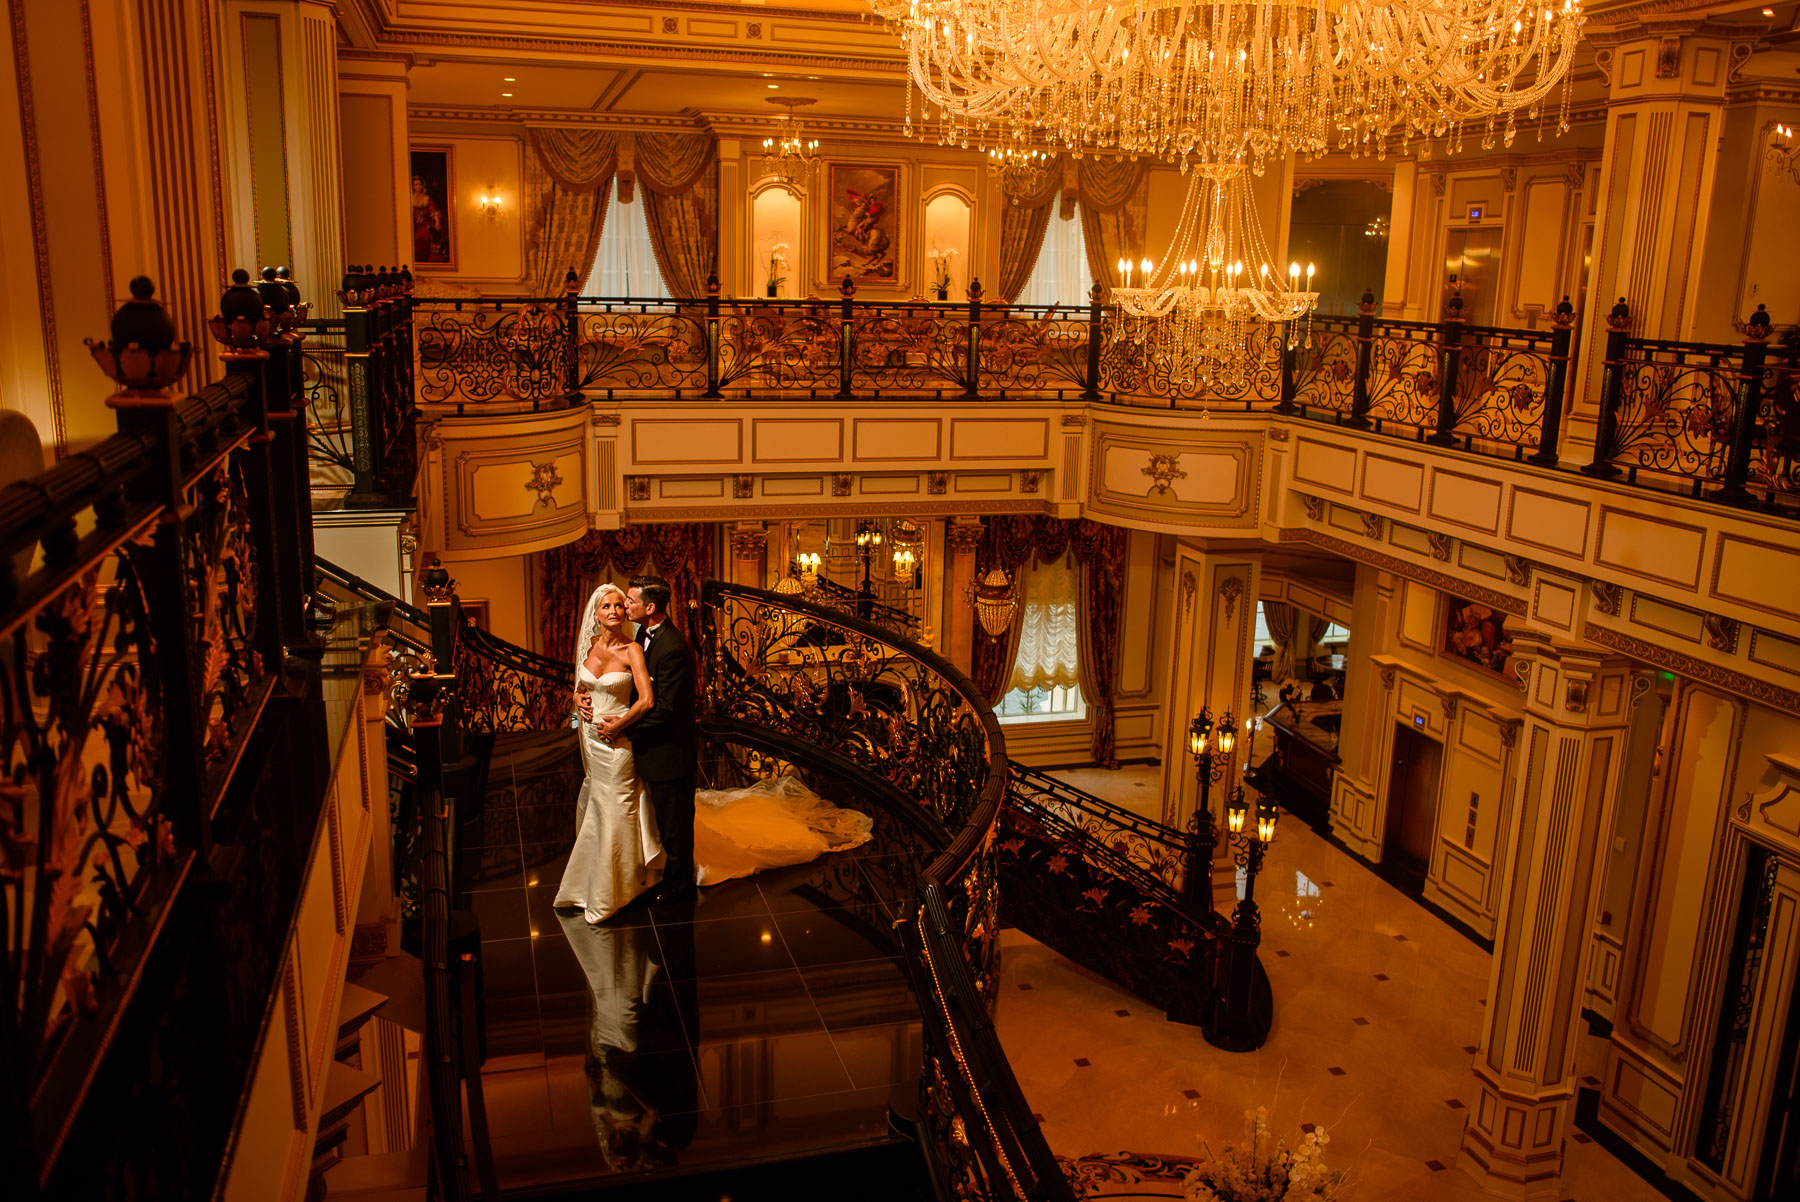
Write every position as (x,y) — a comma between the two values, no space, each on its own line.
(864,231)
(1476,634)
(433,186)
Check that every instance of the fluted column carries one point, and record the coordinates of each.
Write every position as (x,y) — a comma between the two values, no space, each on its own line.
(1577,708)
(964,537)
(1665,118)
(283,137)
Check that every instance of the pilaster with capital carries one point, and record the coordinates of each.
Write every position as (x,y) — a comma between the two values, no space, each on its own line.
(749,543)
(1577,706)
(964,537)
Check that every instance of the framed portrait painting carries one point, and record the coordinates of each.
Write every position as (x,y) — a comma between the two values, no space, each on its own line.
(864,223)
(1476,634)
(433,186)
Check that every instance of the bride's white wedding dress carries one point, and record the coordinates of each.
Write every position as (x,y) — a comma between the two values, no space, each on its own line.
(618,853)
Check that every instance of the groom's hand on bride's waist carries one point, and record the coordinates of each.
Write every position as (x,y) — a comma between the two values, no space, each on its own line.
(585,704)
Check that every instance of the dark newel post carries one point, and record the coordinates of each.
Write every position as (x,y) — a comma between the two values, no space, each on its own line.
(846,338)
(143,407)
(713,348)
(1288,390)
(1612,392)
(242,328)
(360,297)
(1095,331)
(1550,432)
(972,362)
(571,339)
(1749,407)
(1365,351)
(1449,365)
(295,383)
(1202,844)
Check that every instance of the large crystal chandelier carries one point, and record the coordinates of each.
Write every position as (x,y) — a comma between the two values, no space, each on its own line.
(1197,310)
(1233,80)
(788,154)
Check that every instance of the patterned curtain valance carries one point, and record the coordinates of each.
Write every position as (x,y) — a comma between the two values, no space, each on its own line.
(673,163)
(579,159)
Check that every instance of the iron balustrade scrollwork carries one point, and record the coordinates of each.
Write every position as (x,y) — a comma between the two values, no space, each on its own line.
(507,688)
(1147,853)
(330,427)
(1325,374)
(1707,419)
(814,674)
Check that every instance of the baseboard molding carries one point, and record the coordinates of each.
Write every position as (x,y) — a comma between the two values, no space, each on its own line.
(1587,1121)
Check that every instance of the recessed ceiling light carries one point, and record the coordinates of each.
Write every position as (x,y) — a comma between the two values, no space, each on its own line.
(1768,12)
(506,93)
(773,86)
(509,79)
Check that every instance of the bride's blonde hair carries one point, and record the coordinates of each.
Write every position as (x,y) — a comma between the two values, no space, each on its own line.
(591,627)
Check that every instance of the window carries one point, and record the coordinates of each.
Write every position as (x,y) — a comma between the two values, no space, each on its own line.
(1045,684)
(1061,276)
(625,263)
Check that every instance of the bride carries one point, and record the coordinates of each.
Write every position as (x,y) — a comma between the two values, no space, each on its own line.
(618,853)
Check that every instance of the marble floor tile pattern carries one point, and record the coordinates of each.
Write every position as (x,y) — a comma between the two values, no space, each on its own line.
(1377,1013)
(770,1019)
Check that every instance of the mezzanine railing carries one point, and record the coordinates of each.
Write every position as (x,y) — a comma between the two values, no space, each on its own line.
(1677,420)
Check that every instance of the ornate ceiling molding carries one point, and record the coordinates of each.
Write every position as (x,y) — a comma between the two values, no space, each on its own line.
(1442,581)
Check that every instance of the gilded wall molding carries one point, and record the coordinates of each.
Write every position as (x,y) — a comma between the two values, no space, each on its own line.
(1441,581)
(1748,687)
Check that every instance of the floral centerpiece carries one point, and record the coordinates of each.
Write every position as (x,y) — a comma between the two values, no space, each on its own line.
(1262,1169)
(940,270)
(777,265)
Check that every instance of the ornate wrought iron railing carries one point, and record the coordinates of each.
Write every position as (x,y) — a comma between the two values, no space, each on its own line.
(358,381)
(1485,389)
(1152,856)
(914,728)
(1714,421)
(149,865)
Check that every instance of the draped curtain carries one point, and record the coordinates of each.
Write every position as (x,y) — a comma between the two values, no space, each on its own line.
(1278,616)
(1115,207)
(680,552)
(1099,550)
(567,178)
(1313,630)
(1022,225)
(680,178)
(1049,654)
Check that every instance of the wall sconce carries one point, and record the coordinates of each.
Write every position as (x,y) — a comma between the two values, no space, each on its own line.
(808,563)
(488,204)
(905,560)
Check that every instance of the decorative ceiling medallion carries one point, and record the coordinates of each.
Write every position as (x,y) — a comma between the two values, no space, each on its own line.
(1163,471)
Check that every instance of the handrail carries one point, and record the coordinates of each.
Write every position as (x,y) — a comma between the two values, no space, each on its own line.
(1154,857)
(883,704)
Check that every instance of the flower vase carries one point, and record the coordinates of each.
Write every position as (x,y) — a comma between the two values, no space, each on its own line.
(773,289)
(943,294)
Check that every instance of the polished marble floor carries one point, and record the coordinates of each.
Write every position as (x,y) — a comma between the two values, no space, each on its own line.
(1378,1010)
(767,1020)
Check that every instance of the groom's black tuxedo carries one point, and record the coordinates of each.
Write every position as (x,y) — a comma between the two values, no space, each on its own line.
(663,743)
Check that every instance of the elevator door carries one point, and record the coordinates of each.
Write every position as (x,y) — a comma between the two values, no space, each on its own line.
(1472,256)
(1411,808)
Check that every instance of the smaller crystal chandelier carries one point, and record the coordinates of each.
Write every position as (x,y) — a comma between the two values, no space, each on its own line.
(1020,168)
(995,602)
(1197,312)
(1784,153)
(789,155)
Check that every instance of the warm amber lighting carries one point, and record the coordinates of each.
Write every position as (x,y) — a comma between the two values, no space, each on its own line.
(1227,734)
(1234,815)
(1265,823)
(488,204)
(1199,732)
(995,602)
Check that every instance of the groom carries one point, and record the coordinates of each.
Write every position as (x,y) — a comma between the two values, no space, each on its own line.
(663,740)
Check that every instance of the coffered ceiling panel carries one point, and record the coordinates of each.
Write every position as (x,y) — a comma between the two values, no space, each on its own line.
(533,85)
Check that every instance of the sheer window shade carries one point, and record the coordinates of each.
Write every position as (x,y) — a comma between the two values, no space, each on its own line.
(1049,623)
(1061,275)
(625,262)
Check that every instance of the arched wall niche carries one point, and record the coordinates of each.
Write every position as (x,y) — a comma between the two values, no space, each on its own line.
(777,208)
(949,224)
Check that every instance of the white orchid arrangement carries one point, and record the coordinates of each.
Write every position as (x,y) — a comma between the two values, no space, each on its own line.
(940,267)
(1262,1169)
(778,262)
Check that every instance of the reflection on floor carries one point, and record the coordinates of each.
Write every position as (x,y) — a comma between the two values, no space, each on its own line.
(769,1020)
(1377,1012)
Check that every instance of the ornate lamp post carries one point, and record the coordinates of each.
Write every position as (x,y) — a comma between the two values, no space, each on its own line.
(868,543)
(1238,1027)
(1211,748)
